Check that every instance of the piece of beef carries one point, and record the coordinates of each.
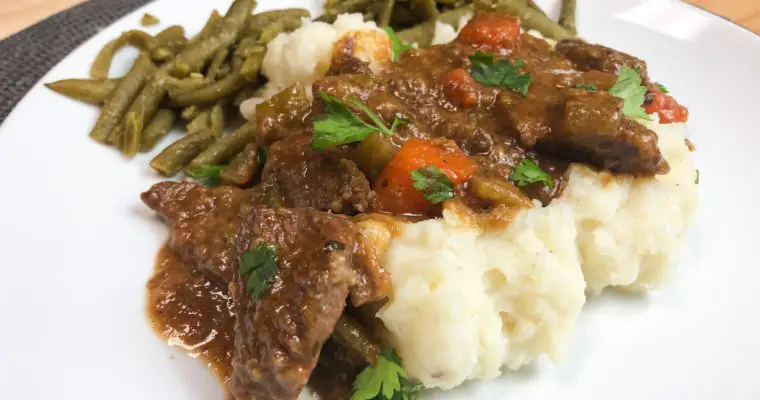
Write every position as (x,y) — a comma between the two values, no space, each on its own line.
(320,179)
(279,337)
(596,131)
(204,223)
(283,114)
(587,57)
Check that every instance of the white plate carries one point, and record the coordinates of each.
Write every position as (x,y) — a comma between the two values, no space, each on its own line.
(77,246)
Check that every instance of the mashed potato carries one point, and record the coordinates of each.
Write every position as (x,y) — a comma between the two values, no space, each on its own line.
(305,54)
(467,303)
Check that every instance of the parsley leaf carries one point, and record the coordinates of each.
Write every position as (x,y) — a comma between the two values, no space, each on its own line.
(586,86)
(499,73)
(629,88)
(386,380)
(339,125)
(208,174)
(433,183)
(662,88)
(399,47)
(261,264)
(696,177)
(528,172)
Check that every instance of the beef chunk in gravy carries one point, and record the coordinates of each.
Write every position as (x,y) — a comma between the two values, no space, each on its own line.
(278,338)
(596,131)
(323,180)
(204,224)
(586,57)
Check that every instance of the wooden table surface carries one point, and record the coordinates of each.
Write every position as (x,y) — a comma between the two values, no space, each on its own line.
(15,15)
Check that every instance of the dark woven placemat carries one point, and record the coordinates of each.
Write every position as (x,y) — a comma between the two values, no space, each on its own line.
(26,56)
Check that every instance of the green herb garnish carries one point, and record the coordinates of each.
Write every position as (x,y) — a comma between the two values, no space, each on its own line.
(528,172)
(386,380)
(586,86)
(696,176)
(260,265)
(629,88)
(207,174)
(501,73)
(662,88)
(433,183)
(339,125)
(399,47)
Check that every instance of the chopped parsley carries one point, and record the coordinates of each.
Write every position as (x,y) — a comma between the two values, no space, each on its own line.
(399,47)
(662,88)
(629,88)
(338,124)
(696,177)
(386,380)
(207,174)
(499,73)
(433,183)
(586,86)
(528,172)
(260,264)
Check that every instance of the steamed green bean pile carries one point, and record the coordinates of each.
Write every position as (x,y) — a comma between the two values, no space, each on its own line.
(200,81)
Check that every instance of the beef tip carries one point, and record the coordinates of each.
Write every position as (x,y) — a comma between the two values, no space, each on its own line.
(596,131)
(204,224)
(322,180)
(587,57)
(536,116)
(283,113)
(279,337)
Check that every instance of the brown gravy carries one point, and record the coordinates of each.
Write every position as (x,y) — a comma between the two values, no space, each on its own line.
(190,311)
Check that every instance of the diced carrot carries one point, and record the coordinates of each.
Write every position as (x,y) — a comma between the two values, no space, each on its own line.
(460,88)
(495,32)
(666,107)
(394,187)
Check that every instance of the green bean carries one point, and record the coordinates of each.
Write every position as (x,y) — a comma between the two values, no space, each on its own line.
(226,147)
(348,6)
(148,100)
(269,32)
(216,63)
(159,126)
(197,54)
(132,132)
(243,167)
(102,63)
(421,34)
(216,119)
(530,18)
(210,93)
(200,123)
(350,333)
(120,99)
(567,16)
(372,155)
(386,13)
(499,191)
(93,91)
(211,25)
(181,152)
(167,43)
(427,8)
(252,65)
(257,22)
